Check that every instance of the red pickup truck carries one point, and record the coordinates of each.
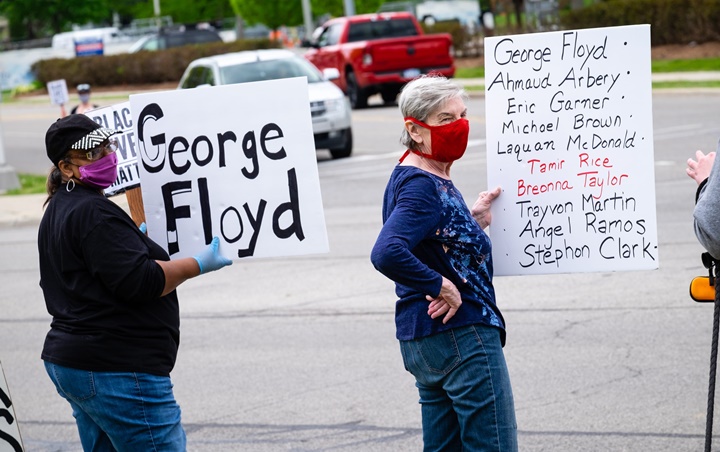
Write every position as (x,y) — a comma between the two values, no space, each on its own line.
(379,53)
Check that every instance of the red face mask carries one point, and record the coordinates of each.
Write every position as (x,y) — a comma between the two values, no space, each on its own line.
(448,141)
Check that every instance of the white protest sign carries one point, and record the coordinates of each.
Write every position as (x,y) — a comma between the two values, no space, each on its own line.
(235,161)
(569,139)
(58,92)
(10,439)
(118,117)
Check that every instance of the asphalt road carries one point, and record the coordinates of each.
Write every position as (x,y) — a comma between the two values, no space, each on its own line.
(298,354)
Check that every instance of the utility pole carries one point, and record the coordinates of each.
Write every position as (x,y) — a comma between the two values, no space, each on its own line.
(8,178)
(307,19)
(349,7)
(156,9)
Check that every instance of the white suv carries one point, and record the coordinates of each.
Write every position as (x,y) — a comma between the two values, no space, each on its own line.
(329,108)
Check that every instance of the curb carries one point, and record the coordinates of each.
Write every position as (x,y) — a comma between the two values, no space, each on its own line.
(21,210)
(27,210)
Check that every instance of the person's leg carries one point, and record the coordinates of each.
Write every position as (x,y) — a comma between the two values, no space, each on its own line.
(441,430)
(73,384)
(429,359)
(136,411)
(481,392)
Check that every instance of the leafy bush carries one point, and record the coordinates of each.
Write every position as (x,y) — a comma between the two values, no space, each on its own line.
(672,21)
(137,68)
(464,42)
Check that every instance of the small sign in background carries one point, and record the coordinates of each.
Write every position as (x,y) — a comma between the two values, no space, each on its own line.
(58,92)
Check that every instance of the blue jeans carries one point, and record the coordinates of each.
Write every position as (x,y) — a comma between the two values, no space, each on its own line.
(121,411)
(465,393)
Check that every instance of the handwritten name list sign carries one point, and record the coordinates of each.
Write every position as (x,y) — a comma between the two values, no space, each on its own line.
(569,139)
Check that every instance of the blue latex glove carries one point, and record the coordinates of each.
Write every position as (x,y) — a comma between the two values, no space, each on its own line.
(210,259)
(143,227)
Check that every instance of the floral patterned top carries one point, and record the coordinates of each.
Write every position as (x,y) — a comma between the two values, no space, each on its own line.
(428,232)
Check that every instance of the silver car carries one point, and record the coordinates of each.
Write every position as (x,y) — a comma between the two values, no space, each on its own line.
(329,108)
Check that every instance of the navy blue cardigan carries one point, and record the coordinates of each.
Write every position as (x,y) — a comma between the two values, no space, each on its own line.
(428,232)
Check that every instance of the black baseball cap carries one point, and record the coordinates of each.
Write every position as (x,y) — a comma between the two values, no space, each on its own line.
(74,132)
(83,88)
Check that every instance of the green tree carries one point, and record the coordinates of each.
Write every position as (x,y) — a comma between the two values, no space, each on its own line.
(272,13)
(518,12)
(275,13)
(337,7)
(31,19)
(183,11)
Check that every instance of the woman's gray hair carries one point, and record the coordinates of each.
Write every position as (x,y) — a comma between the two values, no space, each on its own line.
(422,96)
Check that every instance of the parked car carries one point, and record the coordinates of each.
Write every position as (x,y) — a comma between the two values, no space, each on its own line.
(466,12)
(329,108)
(379,53)
(175,38)
(257,31)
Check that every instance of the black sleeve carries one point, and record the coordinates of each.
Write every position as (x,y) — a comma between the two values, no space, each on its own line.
(119,255)
(700,189)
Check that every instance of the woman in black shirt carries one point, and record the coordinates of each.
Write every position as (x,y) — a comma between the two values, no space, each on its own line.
(114,334)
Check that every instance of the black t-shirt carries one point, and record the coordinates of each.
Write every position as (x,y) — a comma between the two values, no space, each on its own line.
(102,287)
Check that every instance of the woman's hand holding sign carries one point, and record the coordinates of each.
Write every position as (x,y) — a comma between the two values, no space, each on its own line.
(178,271)
(481,209)
(210,258)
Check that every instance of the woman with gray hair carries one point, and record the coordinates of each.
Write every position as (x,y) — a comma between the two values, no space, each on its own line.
(433,246)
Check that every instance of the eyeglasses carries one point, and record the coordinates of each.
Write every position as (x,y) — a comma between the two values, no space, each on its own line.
(102,150)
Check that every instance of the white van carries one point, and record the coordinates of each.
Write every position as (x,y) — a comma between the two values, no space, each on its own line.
(66,41)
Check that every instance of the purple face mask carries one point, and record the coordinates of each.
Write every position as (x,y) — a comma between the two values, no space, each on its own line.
(100,174)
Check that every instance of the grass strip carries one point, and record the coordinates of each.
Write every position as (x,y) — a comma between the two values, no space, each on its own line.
(30,184)
(687,84)
(655,85)
(658,66)
(697,65)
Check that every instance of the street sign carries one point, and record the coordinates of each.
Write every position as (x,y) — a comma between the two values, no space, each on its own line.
(89,47)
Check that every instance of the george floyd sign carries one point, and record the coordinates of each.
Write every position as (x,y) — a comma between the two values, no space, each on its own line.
(235,161)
